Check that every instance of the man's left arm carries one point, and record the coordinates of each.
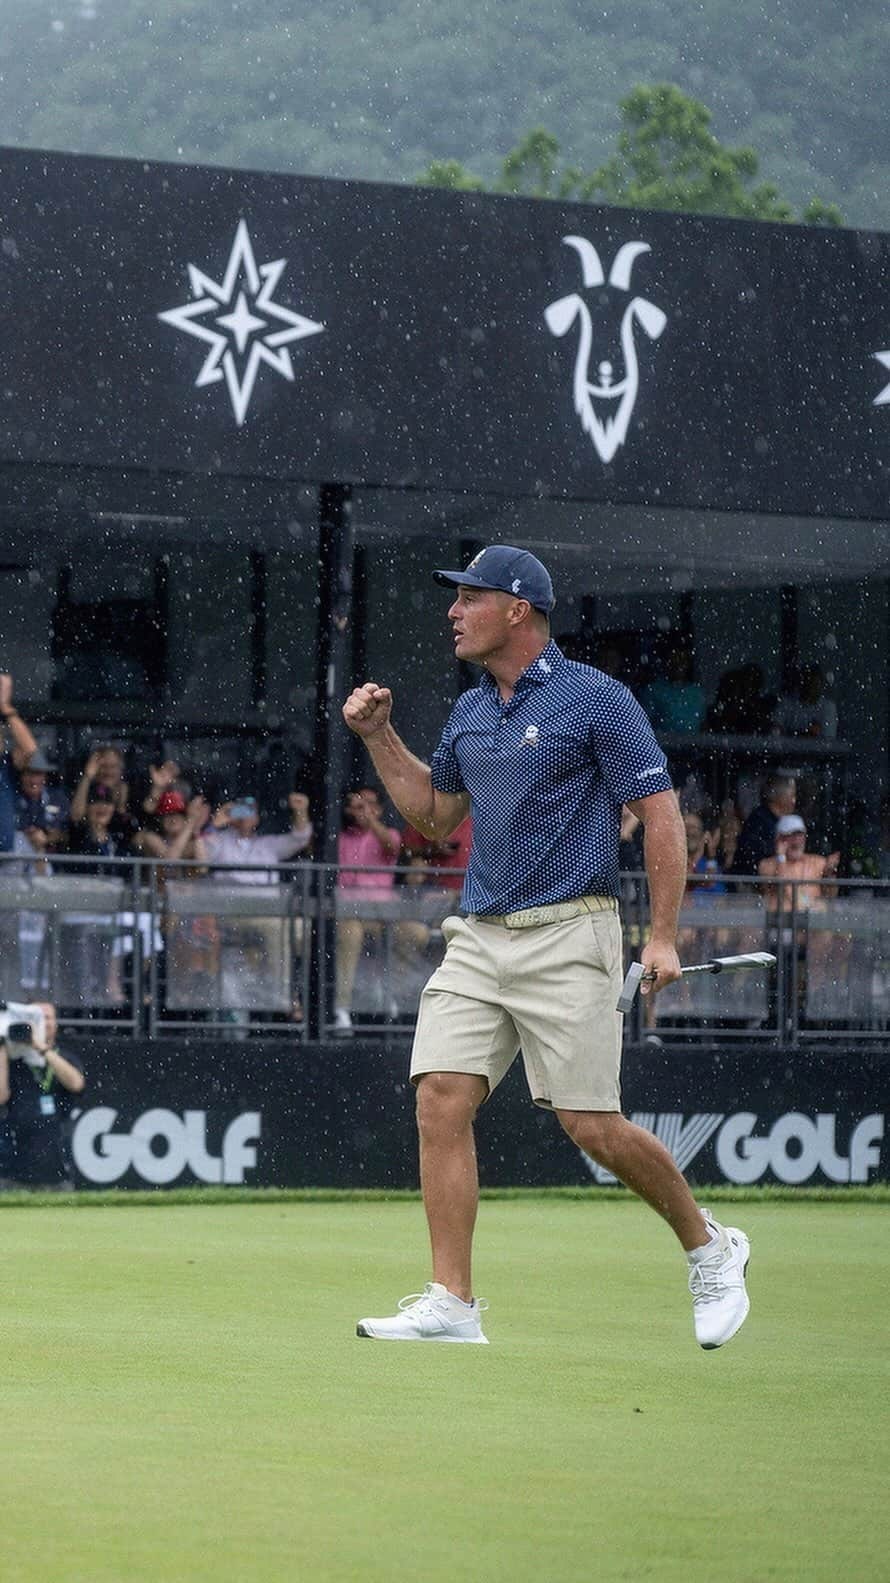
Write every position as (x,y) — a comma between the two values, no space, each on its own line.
(664,854)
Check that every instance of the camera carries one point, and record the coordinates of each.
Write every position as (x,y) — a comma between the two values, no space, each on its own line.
(20,1025)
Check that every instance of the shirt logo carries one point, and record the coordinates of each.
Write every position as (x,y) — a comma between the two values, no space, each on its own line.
(531,736)
(654,769)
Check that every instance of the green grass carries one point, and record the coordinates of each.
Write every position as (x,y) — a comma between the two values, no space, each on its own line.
(185,1401)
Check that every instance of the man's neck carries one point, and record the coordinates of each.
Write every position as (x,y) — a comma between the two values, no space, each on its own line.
(507,666)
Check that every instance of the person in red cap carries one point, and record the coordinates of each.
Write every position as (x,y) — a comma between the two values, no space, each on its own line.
(181,823)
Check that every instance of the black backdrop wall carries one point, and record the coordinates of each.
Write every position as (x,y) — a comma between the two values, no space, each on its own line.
(227,322)
(166,1113)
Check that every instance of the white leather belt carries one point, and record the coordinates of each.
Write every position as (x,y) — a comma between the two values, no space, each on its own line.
(557,912)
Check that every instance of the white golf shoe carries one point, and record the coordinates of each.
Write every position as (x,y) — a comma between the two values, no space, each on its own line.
(717,1283)
(431,1315)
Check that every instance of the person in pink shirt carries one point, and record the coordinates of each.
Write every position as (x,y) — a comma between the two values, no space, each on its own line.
(365,843)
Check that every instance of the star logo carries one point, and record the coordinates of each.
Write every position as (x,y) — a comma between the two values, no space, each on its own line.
(884,397)
(250,330)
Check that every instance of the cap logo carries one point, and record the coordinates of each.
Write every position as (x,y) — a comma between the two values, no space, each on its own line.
(516,585)
(475,561)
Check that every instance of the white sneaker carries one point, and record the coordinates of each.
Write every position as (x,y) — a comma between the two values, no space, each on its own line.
(431,1315)
(717,1283)
(342,1020)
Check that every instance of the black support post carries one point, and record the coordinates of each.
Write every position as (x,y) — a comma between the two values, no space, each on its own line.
(258,621)
(332,749)
(789,643)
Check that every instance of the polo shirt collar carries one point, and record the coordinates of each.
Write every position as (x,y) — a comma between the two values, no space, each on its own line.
(534,675)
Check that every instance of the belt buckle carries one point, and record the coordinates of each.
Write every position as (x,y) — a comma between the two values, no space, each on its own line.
(530,917)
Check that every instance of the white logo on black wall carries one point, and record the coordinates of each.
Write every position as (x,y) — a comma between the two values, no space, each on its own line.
(238,320)
(882,399)
(161,1145)
(607,370)
(794,1146)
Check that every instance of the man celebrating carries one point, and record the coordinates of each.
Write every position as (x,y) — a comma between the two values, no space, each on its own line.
(542,754)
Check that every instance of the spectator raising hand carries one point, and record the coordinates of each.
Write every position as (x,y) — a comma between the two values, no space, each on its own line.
(14,730)
(163,778)
(104,772)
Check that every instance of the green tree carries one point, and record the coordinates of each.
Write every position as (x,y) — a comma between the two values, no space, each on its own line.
(667,158)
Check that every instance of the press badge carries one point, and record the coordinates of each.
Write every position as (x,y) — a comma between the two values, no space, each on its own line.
(47,1105)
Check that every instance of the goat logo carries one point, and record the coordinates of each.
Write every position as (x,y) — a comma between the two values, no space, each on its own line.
(605,403)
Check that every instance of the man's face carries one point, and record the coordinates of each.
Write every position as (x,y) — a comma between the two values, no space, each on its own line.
(171,824)
(32,784)
(101,814)
(793,845)
(248,824)
(111,766)
(785,799)
(50,1021)
(480,622)
(361,807)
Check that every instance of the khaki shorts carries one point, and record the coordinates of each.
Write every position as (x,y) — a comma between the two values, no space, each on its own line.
(549,990)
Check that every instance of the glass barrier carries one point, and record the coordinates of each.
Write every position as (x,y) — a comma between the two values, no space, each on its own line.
(147,947)
(730,924)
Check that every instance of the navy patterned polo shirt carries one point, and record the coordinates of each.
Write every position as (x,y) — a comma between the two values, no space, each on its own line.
(546,775)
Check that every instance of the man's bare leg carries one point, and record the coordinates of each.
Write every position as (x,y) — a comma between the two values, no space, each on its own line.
(447,1103)
(643,1164)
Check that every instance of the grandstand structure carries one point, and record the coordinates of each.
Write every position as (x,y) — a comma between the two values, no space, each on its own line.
(242,417)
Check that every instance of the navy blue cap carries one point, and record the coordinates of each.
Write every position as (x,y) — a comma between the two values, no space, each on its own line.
(511,571)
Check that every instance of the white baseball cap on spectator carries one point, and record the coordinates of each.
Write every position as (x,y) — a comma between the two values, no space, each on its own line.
(791,824)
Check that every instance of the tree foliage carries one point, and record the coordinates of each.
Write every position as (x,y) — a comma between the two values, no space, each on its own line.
(667,158)
(379,88)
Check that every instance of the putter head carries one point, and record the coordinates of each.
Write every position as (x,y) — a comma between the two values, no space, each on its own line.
(633,979)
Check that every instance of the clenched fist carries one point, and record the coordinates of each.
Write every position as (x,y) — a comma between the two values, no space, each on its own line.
(367,709)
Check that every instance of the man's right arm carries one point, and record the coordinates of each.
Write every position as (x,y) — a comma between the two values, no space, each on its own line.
(407,779)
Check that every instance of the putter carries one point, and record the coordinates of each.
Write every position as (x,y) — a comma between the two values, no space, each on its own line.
(636,973)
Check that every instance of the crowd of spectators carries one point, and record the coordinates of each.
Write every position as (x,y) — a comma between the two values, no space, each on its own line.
(663,678)
(103,814)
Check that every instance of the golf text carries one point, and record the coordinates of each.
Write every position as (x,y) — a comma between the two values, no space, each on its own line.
(793,1147)
(161,1145)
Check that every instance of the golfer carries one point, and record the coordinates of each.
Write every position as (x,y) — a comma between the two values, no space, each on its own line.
(543,753)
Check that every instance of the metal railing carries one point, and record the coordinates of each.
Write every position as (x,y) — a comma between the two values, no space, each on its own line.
(144,947)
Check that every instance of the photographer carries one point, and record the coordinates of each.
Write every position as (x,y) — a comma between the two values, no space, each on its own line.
(35,1084)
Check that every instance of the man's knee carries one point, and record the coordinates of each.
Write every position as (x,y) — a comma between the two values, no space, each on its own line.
(447,1100)
(597,1132)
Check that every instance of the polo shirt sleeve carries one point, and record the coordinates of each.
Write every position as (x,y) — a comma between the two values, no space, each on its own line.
(444,768)
(632,763)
